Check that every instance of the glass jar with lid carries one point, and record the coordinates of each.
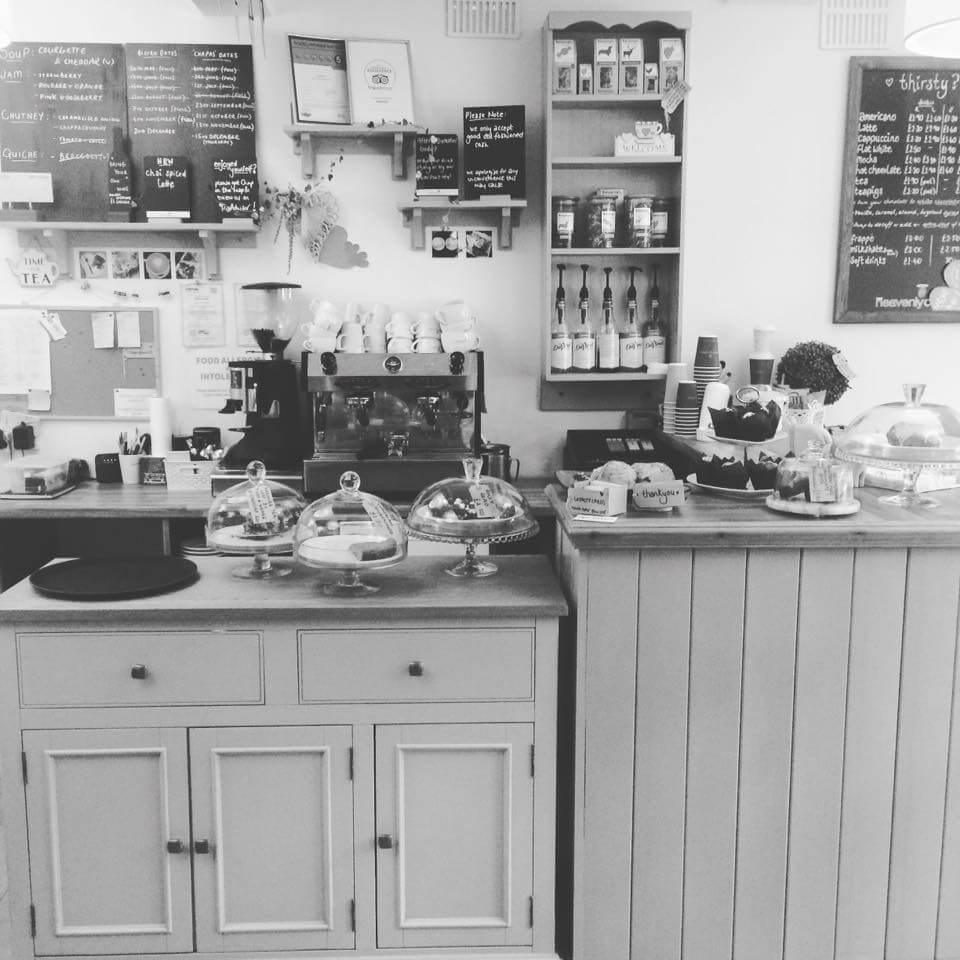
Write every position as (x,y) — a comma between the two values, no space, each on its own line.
(602,222)
(640,220)
(659,222)
(563,221)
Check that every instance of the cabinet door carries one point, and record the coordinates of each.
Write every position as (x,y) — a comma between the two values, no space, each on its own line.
(273,838)
(102,807)
(454,808)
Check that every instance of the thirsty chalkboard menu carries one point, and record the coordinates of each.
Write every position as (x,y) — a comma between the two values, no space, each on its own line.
(494,152)
(900,205)
(61,105)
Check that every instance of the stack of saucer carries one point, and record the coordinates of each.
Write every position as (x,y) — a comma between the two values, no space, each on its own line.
(196,547)
(706,364)
(687,415)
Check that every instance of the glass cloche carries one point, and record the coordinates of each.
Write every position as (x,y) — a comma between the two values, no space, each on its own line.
(910,436)
(348,532)
(256,516)
(814,484)
(471,509)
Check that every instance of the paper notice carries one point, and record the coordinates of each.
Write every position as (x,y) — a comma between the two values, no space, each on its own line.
(201,305)
(24,353)
(38,400)
(128,328)
(132,404)
(52,324)
(102,323)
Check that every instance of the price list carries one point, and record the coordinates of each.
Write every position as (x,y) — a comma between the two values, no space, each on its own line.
(900,222)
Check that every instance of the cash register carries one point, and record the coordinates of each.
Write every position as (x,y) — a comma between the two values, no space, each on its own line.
(641,443)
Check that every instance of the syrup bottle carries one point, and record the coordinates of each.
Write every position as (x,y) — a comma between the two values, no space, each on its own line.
(631,337)
(561,343)
(584,340)
(608,340)
(654,340)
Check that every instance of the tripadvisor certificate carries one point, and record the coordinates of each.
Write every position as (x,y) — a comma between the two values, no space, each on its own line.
(319,80)
(380,86)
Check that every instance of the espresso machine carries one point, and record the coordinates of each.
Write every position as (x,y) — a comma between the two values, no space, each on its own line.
(401,421)
(266,388)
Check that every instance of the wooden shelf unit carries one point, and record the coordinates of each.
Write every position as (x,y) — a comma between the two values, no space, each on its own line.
(413,215)
(306,137)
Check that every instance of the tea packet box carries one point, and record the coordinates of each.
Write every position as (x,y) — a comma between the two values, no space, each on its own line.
(585,78)
(631,65)
(564,66)
(671,62)
(598,498)
(605,59)
(651,78)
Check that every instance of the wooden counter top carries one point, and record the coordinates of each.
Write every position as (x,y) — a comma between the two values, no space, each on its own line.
(416,588)
(709,521)
(93,500)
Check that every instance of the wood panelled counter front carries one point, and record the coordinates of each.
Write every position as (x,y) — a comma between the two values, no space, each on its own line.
(767,735)
(251,768)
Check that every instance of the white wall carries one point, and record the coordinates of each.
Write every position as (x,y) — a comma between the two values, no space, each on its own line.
(764,150)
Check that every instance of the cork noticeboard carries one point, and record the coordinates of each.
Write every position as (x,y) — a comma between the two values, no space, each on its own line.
(83,377)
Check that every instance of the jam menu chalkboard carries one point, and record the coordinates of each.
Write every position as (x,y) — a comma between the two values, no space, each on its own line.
(900,207)
(494,152)
(60,106)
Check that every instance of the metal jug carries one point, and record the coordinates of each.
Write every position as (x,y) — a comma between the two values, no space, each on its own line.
(498,463)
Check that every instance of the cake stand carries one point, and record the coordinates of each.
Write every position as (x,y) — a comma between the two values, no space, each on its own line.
(471,565)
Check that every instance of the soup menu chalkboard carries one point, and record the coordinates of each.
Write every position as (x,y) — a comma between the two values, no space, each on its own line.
(60,106)
(900,204)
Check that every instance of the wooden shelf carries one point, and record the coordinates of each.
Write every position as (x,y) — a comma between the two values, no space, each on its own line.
(602,99)
(305,137)
(413,215)
(55,232)
(638,161)
(601,377)
(614,251)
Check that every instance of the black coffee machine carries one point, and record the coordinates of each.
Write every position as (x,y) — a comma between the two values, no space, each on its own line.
(266,387)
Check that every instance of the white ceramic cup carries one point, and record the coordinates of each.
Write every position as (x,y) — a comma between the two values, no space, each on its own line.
(353,313)
(426,325)
(400,325)
(325,316)
(456,314)
(427,345)
(399,345)
(351,338)
(323,342)
(375,340)
(130,467)
(377,316)
(453,340)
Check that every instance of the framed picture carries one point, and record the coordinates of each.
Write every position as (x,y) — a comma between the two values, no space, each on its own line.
(318,73)
(379,81)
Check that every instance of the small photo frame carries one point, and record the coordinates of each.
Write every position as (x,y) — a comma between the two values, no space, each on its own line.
(444,243)
(125,265)
(158,264)
(92,264)
(478,243)
(188,265)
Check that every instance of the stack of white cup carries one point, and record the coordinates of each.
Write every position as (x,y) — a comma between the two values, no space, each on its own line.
(458,327)
(320,334)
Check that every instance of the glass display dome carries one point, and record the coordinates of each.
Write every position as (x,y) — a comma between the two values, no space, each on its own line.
(348,532)
(813,484)
(471,509)
(256,516)
(910,436)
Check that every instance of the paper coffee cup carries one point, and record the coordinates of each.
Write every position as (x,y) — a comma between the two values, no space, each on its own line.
(761,369)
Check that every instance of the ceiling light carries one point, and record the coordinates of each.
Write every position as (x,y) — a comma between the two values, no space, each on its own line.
(932,28)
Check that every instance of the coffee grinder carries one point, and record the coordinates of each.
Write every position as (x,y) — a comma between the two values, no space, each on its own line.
(266,387)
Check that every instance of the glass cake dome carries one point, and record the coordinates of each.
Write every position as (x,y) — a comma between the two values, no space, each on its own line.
(910,436)
(256,516)
(348,532)
(471,509)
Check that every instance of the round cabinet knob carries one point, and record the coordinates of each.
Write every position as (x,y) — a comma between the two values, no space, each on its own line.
(176,846)
(385,841)
(201,846)
(138,671)
(415,668)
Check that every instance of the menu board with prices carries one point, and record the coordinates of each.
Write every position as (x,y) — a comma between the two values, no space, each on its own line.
(494,152)
(59,105)
(64,108)
(900,207)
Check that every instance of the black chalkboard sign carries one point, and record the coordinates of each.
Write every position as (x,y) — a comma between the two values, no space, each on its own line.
(437,165)
(196,101)
(166,187)
(494,152)
(900,204)
(60,105)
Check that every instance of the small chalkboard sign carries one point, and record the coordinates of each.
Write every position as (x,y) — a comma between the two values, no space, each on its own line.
(166,188)
(494,152)
(899,257)
(437,165)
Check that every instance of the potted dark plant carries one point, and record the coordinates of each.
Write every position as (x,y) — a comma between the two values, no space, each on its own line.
(811,365)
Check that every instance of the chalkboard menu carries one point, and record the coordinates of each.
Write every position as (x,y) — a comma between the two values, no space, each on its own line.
(196,101)
(60,105)
(494,157)
(900,204)
(435,156)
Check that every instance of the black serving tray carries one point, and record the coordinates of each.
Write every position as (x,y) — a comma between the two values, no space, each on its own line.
(114,578)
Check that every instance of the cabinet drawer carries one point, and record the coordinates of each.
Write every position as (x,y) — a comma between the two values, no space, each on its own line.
(139,669)
(416,665)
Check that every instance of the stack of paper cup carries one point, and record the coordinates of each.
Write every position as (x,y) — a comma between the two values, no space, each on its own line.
(688,409)
(706,364)
(674,374)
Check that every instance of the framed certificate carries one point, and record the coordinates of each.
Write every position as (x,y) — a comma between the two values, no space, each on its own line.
(381,90)
(319,76)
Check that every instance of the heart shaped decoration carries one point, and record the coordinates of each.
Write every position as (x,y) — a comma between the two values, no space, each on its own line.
(889,81)
(668,52)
